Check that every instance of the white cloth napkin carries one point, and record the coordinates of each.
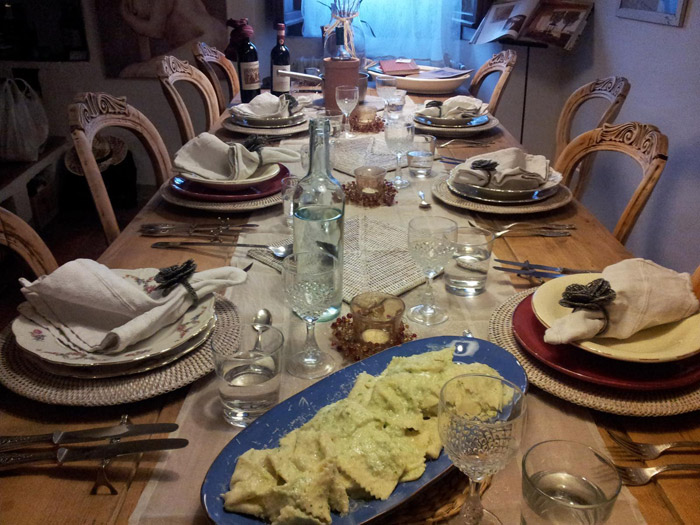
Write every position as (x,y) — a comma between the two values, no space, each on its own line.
(210,158)
(516,170)
(87,306)
(647,295)
(455,107)
(264,105)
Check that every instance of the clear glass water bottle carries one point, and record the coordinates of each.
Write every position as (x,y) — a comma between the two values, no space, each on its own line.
(319,203)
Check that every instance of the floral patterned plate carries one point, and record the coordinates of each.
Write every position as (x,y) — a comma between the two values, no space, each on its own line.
(36,340)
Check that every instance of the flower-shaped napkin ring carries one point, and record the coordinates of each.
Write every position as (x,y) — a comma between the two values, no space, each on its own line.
(489,166)
(168,278)
(592,296)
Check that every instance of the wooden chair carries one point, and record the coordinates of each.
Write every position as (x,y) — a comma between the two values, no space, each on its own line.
(643,142)
(206,57)
(19,237)
(695,279)
(92,112)
(501,63)
(172,70)
(612,89)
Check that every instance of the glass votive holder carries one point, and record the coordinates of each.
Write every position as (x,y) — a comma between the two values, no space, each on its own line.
(420,156)
(370,180)
(376,317)
(365,114)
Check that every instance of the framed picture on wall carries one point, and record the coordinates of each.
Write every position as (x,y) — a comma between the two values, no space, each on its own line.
(667,12)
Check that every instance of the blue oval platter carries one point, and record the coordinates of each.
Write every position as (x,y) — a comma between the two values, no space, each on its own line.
(266,431)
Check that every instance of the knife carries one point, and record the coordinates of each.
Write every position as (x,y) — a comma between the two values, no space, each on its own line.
(527,265)
(89,434)
(175,244)
(64,455)
(529,273)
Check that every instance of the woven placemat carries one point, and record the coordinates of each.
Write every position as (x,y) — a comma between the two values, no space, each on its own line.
(621,402)
(559,199)
(19,374)
(170,196)
(375,258)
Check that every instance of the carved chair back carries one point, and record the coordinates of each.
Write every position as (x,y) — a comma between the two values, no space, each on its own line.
(92,112)
(612,89)
(695,279)
(172,70)
(643,142)
(207,57)
(501,63)
(19,237)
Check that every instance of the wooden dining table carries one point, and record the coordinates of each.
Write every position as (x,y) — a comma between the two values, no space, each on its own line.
(58,495)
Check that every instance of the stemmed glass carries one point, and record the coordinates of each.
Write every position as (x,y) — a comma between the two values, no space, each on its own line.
(312,282)
(430,244)
(386,87)
(399,139)
(346,97)
(480,438)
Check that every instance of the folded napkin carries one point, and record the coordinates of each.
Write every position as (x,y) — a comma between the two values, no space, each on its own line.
(211,158)
(513,170)
(646,295)
(455,107)
(88,307)
(264,105)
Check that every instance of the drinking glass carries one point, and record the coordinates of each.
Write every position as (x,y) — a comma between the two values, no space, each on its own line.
(430,244)
(420,156)
(395,105)
(567,482)
(346,97)
(386,87)
(468,268)
(248,373)
(399,139)
(312,283)
(480,435)
(289,184)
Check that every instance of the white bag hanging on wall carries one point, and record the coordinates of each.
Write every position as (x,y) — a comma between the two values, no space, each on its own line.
(24,126)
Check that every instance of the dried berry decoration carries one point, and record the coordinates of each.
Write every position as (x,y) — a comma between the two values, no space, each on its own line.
(168,278)
(373,126)
(343,339)
(370,200)
(592,296)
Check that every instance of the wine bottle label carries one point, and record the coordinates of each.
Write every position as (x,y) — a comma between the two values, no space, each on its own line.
(280,83)
(250,71)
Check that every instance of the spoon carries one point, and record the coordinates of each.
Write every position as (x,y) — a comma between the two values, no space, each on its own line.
(260,324)
(278,251)
(424,204)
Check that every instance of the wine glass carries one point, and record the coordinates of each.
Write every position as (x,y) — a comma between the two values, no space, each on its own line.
(346,97)
(399,139)
(480,436)
(386,87)
(312,282)
(430,244)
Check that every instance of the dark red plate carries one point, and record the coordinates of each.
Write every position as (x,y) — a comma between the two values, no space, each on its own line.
(194,190)
(592,368)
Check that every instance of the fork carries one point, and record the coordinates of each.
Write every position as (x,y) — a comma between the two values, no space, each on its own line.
(649,450)
(643,475)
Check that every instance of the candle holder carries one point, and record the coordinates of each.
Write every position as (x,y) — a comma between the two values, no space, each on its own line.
(370,180)
(376,317)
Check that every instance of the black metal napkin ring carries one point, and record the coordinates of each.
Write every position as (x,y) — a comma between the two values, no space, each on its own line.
(168,278)
(592,296)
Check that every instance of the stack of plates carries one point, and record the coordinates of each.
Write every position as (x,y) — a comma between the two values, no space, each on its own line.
(164,347)
(455,127)
(659,358)
(296,123)
(260,190)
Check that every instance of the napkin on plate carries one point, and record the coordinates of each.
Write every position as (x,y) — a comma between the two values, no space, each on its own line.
(515,170)
(265,105)
(87,306)
(211,158)
(456,107)
(646,295)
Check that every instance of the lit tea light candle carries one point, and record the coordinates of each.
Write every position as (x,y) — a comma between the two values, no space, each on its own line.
(370,179)
(376,336)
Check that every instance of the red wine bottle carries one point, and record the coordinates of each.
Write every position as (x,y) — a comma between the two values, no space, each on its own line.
(280,60)
(244,52)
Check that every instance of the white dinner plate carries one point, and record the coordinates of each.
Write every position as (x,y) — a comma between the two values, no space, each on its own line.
(667,342)
(262,174)
(38,341)
(428,86)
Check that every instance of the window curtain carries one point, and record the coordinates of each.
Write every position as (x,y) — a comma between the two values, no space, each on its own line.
(425,30)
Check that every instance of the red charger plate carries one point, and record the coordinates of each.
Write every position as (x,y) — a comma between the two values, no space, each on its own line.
(592,368)
(195,191)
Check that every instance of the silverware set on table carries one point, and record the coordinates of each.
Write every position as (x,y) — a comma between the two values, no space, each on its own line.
(643,475)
